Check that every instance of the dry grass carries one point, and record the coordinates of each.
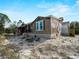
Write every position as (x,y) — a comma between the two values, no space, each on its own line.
(58,48)
(2,38)
(6,52)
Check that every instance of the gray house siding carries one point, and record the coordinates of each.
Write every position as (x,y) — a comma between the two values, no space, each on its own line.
(65,28)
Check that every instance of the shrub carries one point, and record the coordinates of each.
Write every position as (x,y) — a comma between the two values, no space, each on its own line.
(37,39)
(8,53)
(29,39)
(76,30)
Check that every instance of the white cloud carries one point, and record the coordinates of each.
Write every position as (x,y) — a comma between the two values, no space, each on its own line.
(59,8)
(77,1)
(16,16)
(43,5)
(56,9)
(70,13)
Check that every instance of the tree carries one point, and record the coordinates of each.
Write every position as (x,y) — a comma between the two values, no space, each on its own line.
(13,27)
(76,27)
(19,23)
(61,18)
(3,19)
(72,29)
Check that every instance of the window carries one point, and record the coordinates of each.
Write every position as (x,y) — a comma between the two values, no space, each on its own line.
(39,25)
(36,25)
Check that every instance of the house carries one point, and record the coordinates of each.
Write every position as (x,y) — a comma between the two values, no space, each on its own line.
(48,27)
(24,28)
(65,29)
(68,29)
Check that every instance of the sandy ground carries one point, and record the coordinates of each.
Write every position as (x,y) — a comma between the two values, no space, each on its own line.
(60,48)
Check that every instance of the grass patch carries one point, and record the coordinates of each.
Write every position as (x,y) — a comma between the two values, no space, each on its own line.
(8,53)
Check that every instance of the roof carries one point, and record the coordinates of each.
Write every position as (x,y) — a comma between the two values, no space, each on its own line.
(49,16)
(43,17)
(65,23)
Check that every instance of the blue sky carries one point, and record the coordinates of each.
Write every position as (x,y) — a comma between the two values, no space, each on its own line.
(28,10)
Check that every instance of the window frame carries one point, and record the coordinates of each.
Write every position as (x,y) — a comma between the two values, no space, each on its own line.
(39,26)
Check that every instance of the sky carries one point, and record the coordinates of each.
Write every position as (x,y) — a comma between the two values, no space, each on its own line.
(28,10)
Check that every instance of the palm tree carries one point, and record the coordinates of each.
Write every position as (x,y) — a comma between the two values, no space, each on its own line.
(3,19)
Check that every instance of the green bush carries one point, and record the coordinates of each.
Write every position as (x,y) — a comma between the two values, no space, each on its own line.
(75,25)
(77,31)
(29,39)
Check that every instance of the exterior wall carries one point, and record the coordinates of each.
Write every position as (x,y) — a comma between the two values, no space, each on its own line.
(47,36)
(55,27)
(65,29)
(51,29)
(47,28)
